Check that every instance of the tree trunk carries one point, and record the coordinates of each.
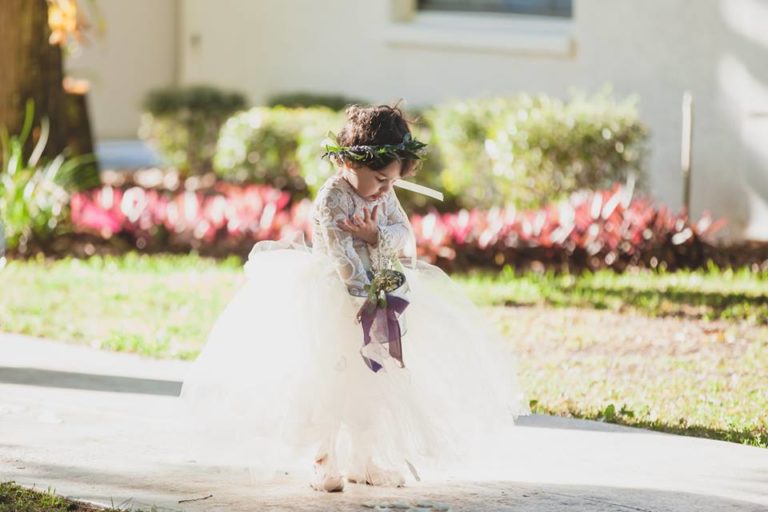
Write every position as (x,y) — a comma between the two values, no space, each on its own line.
(79,136)
(31,69)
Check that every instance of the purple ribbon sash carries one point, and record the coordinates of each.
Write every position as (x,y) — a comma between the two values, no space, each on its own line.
(370,313)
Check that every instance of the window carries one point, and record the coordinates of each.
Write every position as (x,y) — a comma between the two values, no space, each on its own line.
(534,28)
(556,8)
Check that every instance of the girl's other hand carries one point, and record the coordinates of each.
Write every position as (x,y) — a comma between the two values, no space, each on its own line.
(365,228)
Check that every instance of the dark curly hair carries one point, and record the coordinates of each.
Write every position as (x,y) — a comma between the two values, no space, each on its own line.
(374,125)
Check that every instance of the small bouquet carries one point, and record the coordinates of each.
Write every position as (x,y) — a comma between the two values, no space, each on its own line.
(381,314)
(383,282)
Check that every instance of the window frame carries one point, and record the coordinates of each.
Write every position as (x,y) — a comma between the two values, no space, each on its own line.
(420,8)
(512,34)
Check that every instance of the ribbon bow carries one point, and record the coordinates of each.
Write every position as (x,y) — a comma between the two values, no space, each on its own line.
(387,315)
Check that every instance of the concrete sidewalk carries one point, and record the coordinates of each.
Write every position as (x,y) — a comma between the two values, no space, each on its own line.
(94,425)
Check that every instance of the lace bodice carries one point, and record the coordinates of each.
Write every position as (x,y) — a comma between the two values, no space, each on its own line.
(353,257)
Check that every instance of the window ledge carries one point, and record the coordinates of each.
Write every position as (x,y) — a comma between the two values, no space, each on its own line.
(523,35)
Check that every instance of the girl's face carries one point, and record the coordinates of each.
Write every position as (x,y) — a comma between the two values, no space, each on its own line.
(370,184)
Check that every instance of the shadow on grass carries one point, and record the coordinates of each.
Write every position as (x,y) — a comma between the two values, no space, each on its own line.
(674,302)
(753,437)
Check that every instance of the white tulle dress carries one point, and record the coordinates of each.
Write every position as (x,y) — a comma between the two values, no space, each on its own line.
(282,375)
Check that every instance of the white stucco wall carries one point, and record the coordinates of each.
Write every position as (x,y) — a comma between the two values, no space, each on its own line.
(657,49)
(136,52)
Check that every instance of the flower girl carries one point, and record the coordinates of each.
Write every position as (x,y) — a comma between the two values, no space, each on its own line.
(346,356)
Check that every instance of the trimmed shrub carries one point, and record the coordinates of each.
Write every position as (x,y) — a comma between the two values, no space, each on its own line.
(525,151)
(335,102)
(282,147)
(183,124)
(276,146)
(530,150)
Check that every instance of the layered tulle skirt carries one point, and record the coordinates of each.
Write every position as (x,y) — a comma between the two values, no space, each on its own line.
(282,376)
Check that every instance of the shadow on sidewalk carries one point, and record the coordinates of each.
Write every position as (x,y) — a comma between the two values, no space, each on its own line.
(88,381)
(556,422)
(221,488)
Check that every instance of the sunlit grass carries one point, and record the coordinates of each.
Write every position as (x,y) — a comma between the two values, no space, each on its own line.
(15,498)
(621,367)
(160,306)
(675,375)
(740,295)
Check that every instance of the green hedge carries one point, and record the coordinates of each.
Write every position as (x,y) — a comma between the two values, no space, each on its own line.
(529,150)
(183,124)
(335,102)
(522,150)
(277,146)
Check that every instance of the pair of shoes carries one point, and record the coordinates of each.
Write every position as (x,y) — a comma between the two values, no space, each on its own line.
(374,475)
(326,477)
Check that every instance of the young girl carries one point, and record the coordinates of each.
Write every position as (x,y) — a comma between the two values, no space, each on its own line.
(308,364)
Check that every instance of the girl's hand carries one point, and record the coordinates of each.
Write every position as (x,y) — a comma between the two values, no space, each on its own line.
(365,229)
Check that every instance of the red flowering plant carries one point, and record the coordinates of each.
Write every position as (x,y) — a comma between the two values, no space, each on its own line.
(607,228)
(225,218)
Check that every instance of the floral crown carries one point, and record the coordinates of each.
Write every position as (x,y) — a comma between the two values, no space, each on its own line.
(409,149)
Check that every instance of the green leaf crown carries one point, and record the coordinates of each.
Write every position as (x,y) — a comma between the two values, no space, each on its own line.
(408,149)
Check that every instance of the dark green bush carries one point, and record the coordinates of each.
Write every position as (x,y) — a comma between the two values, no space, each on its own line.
(183,124)
(335,102)
(198,98)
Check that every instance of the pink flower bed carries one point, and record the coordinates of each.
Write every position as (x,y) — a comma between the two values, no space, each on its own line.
(229,213)
(603,228)
(594,229)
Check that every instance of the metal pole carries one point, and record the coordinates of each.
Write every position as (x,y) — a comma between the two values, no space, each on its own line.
(687,145)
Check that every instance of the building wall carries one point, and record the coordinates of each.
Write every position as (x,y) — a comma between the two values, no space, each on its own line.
(136,52)
(377,50)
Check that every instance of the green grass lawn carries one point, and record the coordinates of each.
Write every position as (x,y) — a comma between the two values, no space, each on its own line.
(708,294)
(15,498)
(160,306)
(677,375)
(682,352)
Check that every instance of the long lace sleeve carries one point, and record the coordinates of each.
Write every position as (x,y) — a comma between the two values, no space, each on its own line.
(332,207)
(393,231)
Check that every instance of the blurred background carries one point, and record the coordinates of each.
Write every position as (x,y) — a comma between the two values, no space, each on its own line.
(524,102)
(604,164)
(434,52)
